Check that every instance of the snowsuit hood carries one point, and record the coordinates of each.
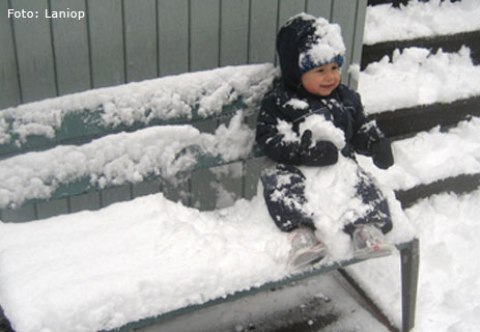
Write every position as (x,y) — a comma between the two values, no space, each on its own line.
(305,42)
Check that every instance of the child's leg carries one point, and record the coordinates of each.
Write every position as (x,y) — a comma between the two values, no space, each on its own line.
(284,193)
(367,231)
(378,212)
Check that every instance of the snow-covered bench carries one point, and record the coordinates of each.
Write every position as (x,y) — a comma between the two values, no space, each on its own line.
(140,262)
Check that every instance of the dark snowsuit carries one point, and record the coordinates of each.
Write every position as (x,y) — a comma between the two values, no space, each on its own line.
(343,107)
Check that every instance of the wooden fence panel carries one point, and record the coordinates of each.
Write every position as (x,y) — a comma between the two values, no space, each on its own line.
(35,57)
(234,30)
(106,42)
(140,24)
(9,84)
(173,31)
(70,47)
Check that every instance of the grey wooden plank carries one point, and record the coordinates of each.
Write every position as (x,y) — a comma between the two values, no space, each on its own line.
(203,189)
(178,192)
(114,195)
(173,36)
(70,38)
(234,32)
(106,42)
(204,32)
(88,201)
(320,8)
(34,51)
(24,213)
(9,83)
(357,46)
(202,182)
(141,39)
(288,9)
(263,31)
(53,208)
(344,13)
(253,169)
(146,188)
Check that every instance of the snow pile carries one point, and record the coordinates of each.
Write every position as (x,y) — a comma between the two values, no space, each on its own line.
(420,19)
(448,288)
(431,156)
(119,159)
(322,130)
(182,96)
(416,77)
(99,270)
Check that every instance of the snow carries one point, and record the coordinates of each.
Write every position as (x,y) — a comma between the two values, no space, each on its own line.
(119,159)
(98,270)
(328,45)
(193,94)
(420,19)
(417,77)
(431,156)
(90,271)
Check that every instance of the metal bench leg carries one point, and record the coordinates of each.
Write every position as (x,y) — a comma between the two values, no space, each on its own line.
(410,258)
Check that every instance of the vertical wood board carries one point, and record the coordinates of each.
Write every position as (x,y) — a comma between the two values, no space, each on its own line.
(205,33)
(140,39)
(173,36)
(106,42)
(9,84)
(34,50)
(70,40)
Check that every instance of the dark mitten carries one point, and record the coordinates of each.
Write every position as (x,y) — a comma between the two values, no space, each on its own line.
(382,153)
(322,153)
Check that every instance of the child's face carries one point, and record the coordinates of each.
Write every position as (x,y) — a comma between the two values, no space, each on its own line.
(321,81)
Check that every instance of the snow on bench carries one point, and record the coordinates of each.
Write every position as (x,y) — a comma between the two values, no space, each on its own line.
(113,160)
(135,260)
(176,99)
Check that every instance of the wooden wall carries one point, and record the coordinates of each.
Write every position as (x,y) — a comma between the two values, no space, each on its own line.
(121,41)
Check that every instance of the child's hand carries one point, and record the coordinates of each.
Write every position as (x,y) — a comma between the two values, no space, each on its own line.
(322,153)
(382,153)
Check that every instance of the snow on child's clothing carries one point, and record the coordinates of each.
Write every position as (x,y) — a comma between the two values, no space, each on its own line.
(313,139)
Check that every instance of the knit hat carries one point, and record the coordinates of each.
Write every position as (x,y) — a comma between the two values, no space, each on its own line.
(305,42)
(324,44)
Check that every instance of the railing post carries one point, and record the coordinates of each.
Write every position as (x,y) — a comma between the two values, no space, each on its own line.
(410,258)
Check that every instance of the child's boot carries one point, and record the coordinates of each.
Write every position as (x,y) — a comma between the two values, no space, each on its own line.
(369,242)
(306,248)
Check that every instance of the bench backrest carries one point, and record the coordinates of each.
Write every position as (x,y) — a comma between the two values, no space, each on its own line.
(154,133)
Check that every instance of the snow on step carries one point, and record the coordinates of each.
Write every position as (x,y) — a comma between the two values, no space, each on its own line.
(431,156)
(416,77)
(420,19)
(448,228)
